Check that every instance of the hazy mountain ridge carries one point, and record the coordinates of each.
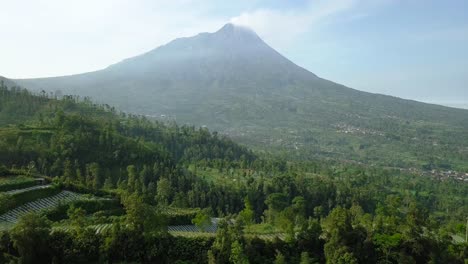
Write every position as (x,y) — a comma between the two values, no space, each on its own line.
(232,81)
(7,82)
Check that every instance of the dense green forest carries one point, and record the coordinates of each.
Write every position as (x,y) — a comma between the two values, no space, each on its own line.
(132,178)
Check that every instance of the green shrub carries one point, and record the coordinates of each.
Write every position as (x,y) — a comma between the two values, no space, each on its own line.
(6,202)
(189,249)
(90,206)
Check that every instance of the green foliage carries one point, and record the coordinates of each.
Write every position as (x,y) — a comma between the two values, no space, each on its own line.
(142,217)
(163,191)
(237,254)
(279,259)
(77,216)
(18,199)
(202,220)
(6,202)
(4,170)
(276,201)
(387,243)
(340,255)
(30,236)
(221,248)
(345,243)
(305,259)
(247,214)
(189,249)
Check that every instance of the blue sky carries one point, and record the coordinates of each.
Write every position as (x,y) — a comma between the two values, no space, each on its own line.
(408,48)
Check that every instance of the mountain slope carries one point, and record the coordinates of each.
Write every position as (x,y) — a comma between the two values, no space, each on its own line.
(234,82)
(7,82)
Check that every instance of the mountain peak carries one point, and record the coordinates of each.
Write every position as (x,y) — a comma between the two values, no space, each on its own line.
(238,32)
(231,27)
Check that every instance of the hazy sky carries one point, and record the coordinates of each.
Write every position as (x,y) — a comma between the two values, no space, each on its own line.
(409,48)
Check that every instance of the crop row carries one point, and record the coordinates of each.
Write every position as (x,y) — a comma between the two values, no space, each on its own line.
(100,228)
(192,228)
(37,187)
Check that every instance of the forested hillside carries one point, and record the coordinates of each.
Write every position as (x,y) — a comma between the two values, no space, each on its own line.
(125,179)
(51,131)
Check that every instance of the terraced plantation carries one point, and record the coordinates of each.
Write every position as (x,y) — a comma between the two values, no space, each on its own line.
(21,195)
(40,205)
(37,187)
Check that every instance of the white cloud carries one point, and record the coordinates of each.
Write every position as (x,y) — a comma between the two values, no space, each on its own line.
(281,27)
